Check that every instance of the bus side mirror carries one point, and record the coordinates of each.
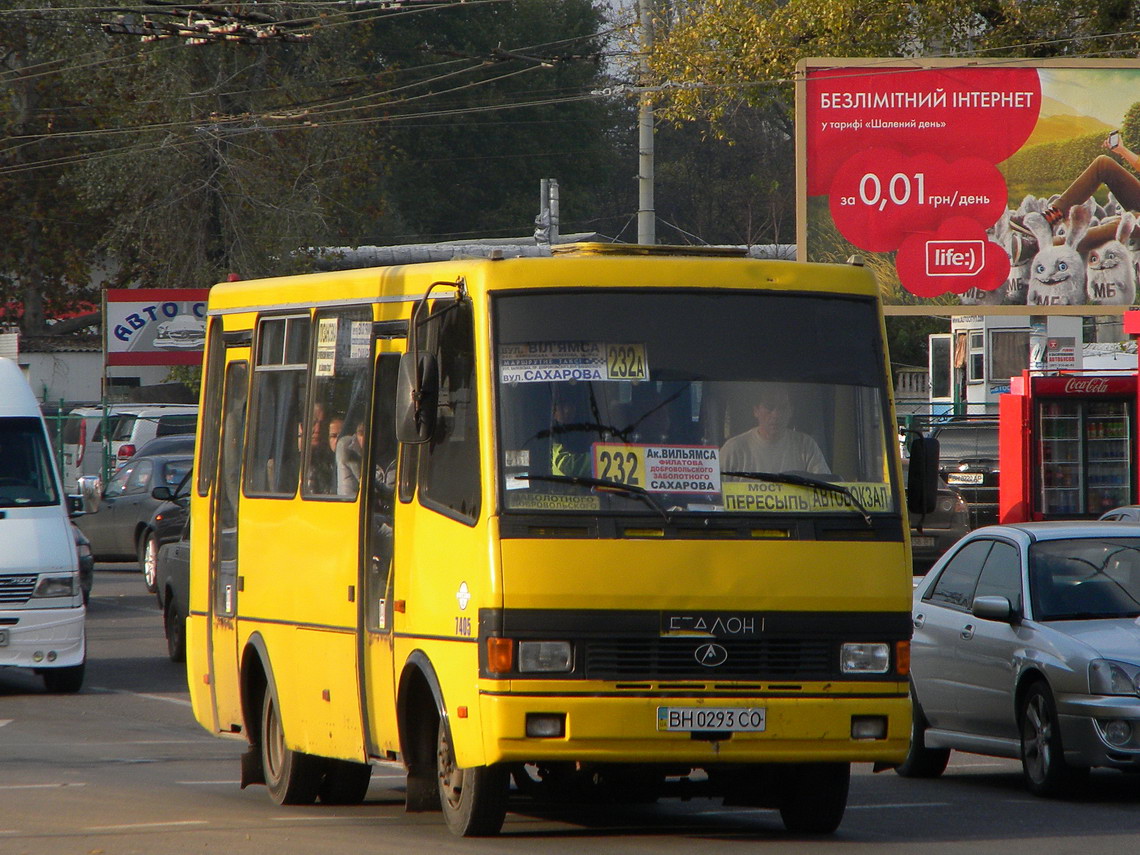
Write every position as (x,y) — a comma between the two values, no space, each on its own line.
(922,479)
(417,397)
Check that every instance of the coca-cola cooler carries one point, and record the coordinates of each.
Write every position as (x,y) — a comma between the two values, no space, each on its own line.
(1066,446)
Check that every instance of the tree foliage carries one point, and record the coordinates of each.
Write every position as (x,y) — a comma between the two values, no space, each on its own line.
(169,163)
(711,54)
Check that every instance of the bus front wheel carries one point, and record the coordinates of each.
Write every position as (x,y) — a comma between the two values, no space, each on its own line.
(814,797)
(474,801)
(292,777)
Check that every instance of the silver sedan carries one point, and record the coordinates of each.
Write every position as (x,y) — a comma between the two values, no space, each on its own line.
(1027,645)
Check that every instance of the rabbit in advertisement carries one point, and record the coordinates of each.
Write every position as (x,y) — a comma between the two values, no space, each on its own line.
(1057,273)
(1112,270)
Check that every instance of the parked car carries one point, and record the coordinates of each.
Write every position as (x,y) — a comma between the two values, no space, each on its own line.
(120,425)
(1026,645)
(1125,513)
(931,535)
(117,517)
(179,443)
(968,461)
(172,586)
(138,426)
(165,526)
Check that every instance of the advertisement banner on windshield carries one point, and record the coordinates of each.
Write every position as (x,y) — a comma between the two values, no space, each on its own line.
(991,184)
(155,326)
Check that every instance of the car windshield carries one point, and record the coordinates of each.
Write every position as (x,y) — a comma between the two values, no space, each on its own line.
(1085,578)
(960,443)
(691,402)
(26,475)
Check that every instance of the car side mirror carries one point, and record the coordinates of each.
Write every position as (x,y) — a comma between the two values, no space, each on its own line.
(922,477)
(90,491)
(75,506)
(417,397)
(992,608)
(163,494)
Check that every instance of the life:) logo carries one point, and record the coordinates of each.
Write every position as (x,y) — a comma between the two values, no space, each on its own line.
(1086,386)
(955,257)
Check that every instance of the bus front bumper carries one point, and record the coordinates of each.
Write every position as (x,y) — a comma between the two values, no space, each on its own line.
(617,729)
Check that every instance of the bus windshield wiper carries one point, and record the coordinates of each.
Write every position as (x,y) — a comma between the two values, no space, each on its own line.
(631,490)
(804,481)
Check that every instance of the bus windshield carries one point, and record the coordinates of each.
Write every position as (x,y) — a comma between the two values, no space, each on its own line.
(691,402)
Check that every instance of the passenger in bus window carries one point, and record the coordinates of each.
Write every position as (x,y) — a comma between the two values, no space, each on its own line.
(349,455)
(773,445)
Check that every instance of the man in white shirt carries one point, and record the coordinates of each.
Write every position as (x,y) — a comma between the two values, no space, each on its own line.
(772,446)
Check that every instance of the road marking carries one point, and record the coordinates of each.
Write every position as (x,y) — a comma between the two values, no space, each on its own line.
(145,696)
(59,786)
(140,825)
(322,818)
(898,805)
(4,721)
(981,765)
(233,783)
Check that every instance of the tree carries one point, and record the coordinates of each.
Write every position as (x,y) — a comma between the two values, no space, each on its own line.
(44,231)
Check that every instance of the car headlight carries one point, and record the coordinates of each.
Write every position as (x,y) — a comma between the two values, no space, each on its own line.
(57,585)
(548,656)
(857,658)
(1107,677)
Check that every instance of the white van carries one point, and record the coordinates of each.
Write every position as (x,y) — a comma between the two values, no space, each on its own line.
(41,602)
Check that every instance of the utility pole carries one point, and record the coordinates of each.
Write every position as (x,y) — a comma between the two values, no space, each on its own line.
(646,215)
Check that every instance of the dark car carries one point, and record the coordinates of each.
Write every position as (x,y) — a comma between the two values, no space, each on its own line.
(118,517)
(172,582)
(931,535)
(165,526)
(181,443)
(968,461)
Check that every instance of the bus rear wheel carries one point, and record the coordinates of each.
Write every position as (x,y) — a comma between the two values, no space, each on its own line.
(292,777)
(474,801)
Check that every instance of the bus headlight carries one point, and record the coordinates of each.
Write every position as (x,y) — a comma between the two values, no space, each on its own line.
(859,658)
(546,656)
(57,585)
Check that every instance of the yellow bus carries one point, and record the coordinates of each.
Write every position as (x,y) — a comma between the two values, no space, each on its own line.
(620,520)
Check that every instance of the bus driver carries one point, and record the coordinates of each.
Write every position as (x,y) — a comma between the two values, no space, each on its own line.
(772,446)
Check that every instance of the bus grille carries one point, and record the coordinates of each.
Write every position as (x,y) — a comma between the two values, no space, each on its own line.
(670,659)
(16,590)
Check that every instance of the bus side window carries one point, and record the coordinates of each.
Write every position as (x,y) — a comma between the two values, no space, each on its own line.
(277,429)
(449,461)
(341,396)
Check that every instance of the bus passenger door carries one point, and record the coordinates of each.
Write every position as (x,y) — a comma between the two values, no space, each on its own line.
(378,684)
(224,580)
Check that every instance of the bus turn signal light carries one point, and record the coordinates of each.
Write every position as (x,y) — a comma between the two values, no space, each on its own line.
(500,655)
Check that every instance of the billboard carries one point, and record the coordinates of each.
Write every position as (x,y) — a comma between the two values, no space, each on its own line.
(992,184)
(155,326)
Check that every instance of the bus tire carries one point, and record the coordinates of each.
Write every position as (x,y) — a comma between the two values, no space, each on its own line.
(344,783)
(814,797)
(474,801)
(292,777)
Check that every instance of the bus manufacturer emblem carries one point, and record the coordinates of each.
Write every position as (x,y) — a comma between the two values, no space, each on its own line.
(711,655)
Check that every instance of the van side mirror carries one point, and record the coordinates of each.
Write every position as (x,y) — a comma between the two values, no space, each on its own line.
(75,506)
(922,479)
(417,397)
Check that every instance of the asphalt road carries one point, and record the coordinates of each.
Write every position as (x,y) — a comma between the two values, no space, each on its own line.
(123,768)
